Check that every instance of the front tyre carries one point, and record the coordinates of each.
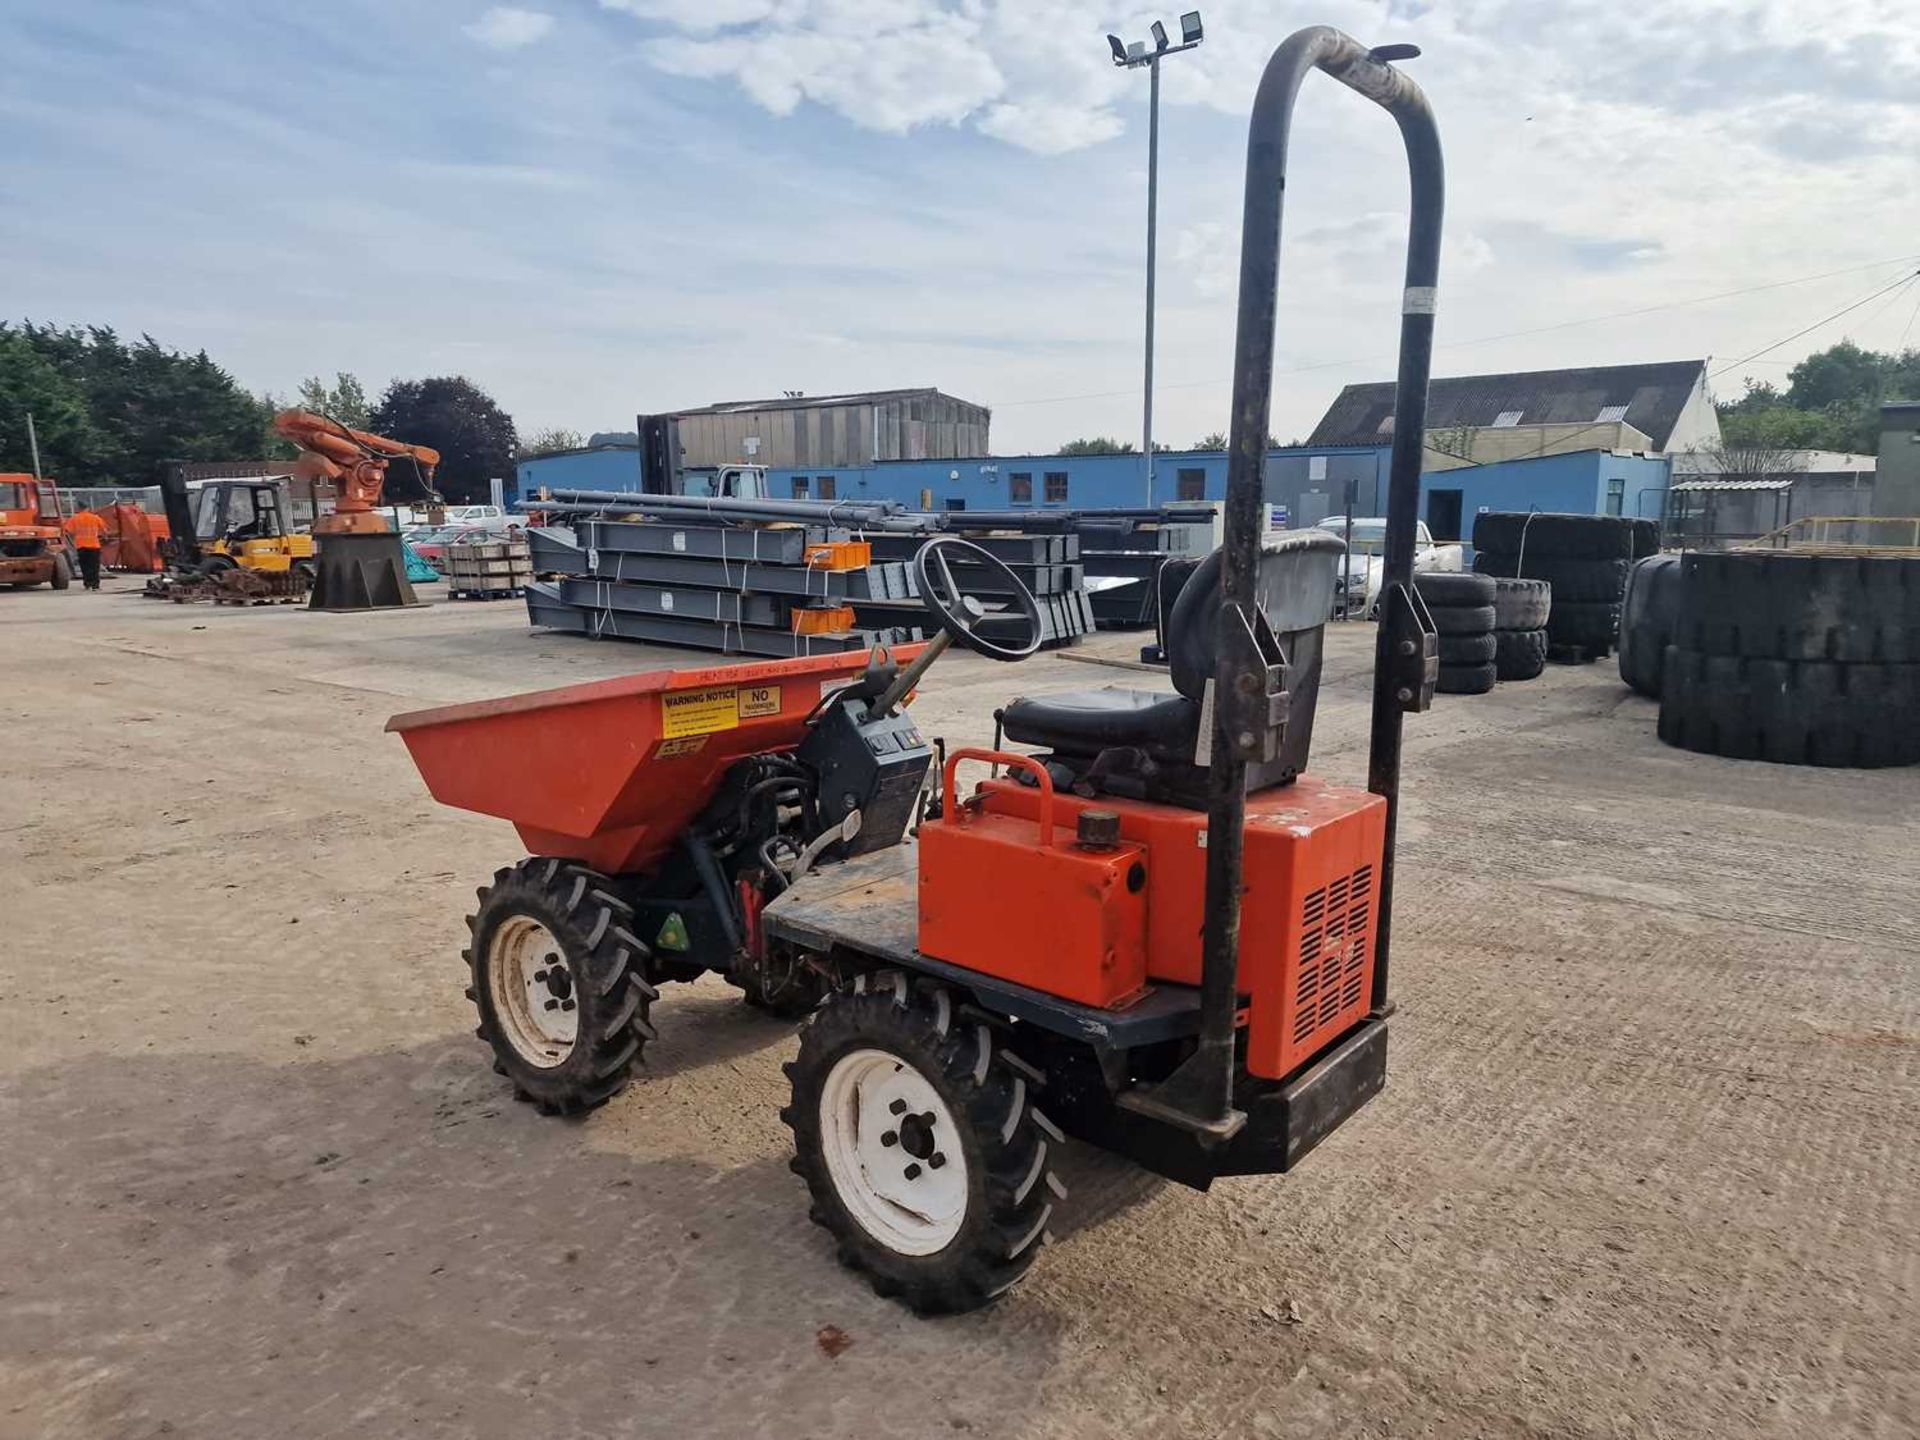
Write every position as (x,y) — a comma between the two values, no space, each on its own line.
(560,982)
(917,1136)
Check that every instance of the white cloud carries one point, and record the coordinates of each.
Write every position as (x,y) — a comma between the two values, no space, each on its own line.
(507,28)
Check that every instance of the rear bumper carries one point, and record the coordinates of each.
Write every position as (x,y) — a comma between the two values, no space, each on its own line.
(25,570)
(1286,1119)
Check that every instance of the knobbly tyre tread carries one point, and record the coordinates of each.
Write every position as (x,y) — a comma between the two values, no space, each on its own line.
(1649,616)
(1467,649)
(1784,606)
(1467,679)
(1521,604)
(1519,654)
(1541,536)
(1450,590)
(1008,1141)
(1572,580)
(1790,712)
(1461,619)
(596,928)
(1591,625)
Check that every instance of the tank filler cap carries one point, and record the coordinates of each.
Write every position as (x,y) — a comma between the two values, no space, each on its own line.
(1098,830)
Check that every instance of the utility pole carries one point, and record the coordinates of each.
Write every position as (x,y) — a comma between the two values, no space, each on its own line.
(1131,57)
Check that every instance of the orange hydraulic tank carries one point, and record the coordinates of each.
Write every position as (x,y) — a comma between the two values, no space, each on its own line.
(1308,918)
(1022,900)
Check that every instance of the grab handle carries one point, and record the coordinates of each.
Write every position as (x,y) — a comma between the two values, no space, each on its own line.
(1012,761)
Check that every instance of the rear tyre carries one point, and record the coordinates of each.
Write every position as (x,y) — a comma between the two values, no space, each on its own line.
(62,575)
(1466,679)
(920,1145)
(559,979)
(1520,654)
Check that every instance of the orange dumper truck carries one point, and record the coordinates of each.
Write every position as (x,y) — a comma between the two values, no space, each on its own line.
(33,549)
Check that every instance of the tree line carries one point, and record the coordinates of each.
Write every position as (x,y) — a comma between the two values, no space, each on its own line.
(107,411)
(1831,401)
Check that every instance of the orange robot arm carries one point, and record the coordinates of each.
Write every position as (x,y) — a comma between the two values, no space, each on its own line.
(354,460)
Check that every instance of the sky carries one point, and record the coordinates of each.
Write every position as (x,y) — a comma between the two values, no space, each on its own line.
(595,208)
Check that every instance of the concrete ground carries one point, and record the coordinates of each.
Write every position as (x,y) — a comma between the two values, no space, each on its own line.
(1647,1164)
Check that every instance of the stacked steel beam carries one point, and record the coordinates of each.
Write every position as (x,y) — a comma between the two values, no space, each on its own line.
(779,577)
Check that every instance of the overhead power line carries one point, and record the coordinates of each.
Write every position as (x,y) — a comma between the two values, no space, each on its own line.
(1902,282)
(1509,334)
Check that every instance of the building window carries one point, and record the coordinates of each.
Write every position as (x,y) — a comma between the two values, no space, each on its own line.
(1056,491)
(954,502)
(828,490)
(1020,487)
(1616,497)
(1507,419)
(1191,485)
(799,487)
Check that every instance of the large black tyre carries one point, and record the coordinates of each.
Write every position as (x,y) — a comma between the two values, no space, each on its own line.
(1461,619)
(1573,581)
(1519,654)
(1451,590)
(1646,538)
(1521,604)
(1467,649)
(553,943)
(1553,537)
(1649,614)
(1589,624)
(977,1236)
(62,575)
(1791,712)
(1783,606)
(1467,679)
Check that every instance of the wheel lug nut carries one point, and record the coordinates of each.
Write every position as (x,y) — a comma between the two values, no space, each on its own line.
(898,1107)
(936,1160)
(913,1172)
(552,1005)
(890,1138)
(539,977)
(565,1004)
(927,1119)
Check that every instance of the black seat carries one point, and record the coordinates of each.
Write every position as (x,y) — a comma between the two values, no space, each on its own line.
(1085,722)
(1295,590)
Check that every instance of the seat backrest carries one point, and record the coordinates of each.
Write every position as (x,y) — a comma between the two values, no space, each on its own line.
(1294,587)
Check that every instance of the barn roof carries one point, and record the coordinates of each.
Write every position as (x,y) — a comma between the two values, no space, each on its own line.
(1648,397)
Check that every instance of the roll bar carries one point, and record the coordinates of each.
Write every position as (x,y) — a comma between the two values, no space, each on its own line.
(1199,1095)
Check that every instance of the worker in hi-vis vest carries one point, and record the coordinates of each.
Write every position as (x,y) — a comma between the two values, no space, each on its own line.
(85,530)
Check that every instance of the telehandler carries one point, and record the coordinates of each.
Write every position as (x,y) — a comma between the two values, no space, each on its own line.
(1154,925)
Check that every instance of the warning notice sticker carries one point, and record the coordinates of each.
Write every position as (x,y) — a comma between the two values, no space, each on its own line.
(759,700)
(699,712)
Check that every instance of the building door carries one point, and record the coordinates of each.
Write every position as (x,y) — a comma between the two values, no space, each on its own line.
(1443,514)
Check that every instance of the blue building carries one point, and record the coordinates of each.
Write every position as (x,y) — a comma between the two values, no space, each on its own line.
(1311,482)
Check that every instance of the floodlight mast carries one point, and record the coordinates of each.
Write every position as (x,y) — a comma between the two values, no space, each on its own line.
(1132,57)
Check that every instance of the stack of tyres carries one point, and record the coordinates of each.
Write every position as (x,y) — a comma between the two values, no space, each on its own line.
(1521,609)
(1648,614)
(1795,658)
(1463,610)
(1585,558)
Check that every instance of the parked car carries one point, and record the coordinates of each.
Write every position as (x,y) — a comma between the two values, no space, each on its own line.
(1356,589)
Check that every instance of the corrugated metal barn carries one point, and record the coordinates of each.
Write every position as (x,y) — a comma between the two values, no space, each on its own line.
(832,430)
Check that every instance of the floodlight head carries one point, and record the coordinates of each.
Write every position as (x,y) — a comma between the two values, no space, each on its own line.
(1159,35)
(1119,50)
(1190,31)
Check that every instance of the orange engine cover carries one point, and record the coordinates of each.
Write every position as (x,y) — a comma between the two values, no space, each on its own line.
(1307,923)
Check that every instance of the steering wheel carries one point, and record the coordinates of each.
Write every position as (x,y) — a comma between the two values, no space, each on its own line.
(960,614)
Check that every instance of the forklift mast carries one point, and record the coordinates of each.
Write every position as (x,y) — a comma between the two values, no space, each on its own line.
(183,543)
(1249,682)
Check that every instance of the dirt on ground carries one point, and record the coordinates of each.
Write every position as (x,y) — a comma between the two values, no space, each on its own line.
(1646,1164)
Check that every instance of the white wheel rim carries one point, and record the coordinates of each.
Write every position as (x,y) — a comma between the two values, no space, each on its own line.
(533,991)
(893,1152)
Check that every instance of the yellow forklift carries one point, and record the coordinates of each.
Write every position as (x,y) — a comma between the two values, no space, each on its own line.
(222,527)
